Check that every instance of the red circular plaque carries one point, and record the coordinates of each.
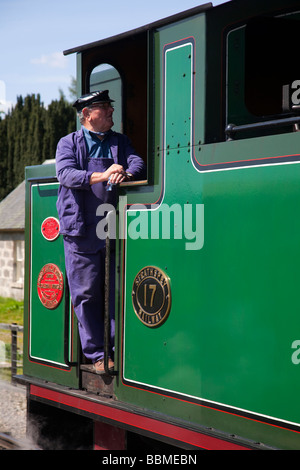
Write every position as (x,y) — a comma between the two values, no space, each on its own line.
(50,228)
(50,286)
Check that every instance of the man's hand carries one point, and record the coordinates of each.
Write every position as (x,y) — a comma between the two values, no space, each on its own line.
(115,172)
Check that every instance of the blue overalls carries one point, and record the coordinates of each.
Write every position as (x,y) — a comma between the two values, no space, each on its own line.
(84,252)
(85,267)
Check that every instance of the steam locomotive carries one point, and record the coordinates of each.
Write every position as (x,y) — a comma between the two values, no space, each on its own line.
(207,248)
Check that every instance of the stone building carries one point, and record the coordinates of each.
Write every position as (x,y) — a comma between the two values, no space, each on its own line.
(12,240)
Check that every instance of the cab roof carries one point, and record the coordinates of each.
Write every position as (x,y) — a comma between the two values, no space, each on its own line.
(148,27)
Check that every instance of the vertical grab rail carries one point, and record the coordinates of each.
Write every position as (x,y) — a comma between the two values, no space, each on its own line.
(68,362)
(109,217)
(14,328)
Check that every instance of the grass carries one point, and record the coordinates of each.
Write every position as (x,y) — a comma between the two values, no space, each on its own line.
(11,311)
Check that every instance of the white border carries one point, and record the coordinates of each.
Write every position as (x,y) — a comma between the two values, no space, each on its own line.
(42,359)
(180,395)
(135,208)
(57,235)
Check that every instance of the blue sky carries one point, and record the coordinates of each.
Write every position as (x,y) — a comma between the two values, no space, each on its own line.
(34,34)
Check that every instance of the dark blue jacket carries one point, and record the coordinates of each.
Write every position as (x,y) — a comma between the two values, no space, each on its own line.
(73,176)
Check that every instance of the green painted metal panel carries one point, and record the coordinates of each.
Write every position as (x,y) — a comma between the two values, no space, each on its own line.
(46,291)
(46,324)
(178,104)
(178,94)
(234,320)
(234,312)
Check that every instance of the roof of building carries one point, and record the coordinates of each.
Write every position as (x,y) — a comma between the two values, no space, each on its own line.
(12,210)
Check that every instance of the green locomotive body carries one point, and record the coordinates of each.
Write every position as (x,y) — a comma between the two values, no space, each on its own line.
(208,252)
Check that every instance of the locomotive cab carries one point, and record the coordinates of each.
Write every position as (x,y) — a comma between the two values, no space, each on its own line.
(54,352)
(207,248)
(118,70)
(262,88)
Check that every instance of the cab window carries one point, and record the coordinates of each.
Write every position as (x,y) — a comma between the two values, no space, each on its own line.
(106,77)
(263,74)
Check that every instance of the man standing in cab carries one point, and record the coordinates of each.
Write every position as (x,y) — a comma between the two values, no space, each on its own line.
(89,164)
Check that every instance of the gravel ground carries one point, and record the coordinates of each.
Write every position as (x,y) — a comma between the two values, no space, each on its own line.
(13,410)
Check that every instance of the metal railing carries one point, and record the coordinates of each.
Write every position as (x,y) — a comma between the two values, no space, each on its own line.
(14,328)
(231,129)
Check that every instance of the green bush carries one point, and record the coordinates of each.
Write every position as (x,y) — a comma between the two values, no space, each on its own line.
(11,311)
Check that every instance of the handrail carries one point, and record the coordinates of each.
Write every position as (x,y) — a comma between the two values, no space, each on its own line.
(232,129)
(14,328)
(43,179)
(67,326)
(11,326)
(107,292)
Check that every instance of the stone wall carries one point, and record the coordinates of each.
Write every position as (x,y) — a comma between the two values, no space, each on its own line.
(12,265)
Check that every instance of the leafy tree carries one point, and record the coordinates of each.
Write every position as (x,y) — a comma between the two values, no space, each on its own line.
(29,134)
(60,120)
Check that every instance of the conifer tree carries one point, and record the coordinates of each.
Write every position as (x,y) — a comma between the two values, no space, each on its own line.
(29,134)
